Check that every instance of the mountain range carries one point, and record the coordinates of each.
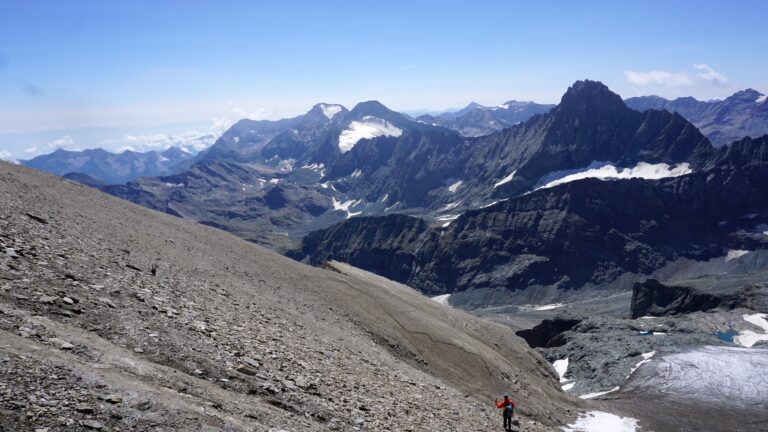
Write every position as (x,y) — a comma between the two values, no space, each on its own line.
(478,120)
(615,239)
(108,167)
(743,114)
(301,186)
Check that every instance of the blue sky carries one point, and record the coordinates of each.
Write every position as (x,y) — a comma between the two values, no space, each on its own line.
(79,74)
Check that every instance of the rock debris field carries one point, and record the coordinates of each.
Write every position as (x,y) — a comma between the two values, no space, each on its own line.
(114,317)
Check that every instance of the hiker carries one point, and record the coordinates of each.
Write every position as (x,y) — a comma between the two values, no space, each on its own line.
(508,407)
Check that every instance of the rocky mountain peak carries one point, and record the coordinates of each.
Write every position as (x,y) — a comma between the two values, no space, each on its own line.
(174,153)
(375,108)
(590,96)
(746,95)
(327,112)
(469,108)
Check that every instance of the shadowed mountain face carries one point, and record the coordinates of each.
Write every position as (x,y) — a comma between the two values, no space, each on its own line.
(110,167)
(589,233)
(743,114)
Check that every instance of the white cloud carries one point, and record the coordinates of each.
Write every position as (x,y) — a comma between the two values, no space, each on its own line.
(7,156)
(220,125)
(63,142)
(240,113)
(658,78)
(192,141)
(31,150)
(708,74)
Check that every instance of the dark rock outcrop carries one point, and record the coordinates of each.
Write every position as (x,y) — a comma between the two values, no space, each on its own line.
(653,298)
(548,334)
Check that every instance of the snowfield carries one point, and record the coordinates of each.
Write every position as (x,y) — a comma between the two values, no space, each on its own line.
(607,171)
(454,187)
(761,99)
(369,127)
(712,374)
(599,421)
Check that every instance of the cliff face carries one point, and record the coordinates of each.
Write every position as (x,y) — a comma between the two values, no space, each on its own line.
(584,233)
(653,298)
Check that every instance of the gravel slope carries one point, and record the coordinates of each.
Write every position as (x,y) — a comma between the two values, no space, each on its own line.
(114,317)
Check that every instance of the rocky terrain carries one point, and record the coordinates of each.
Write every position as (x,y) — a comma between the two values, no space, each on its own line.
(281,181)
(115,317)
(541,246)
(743,114)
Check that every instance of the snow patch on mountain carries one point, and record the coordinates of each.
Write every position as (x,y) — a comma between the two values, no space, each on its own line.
(761,99)
(448,219)
(442,299)
(454,187)
(735,254)
(506,179)
(314,166)
(646,358)
(345,206)
(491,203)
(548,307)
(330,111)
(748,338)
(598,394)
(369,127)
(599,421)
(392,207)
(607,171)
(561,367)
(450,206)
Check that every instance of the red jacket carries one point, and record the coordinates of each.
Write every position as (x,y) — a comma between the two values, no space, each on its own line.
(504,403)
